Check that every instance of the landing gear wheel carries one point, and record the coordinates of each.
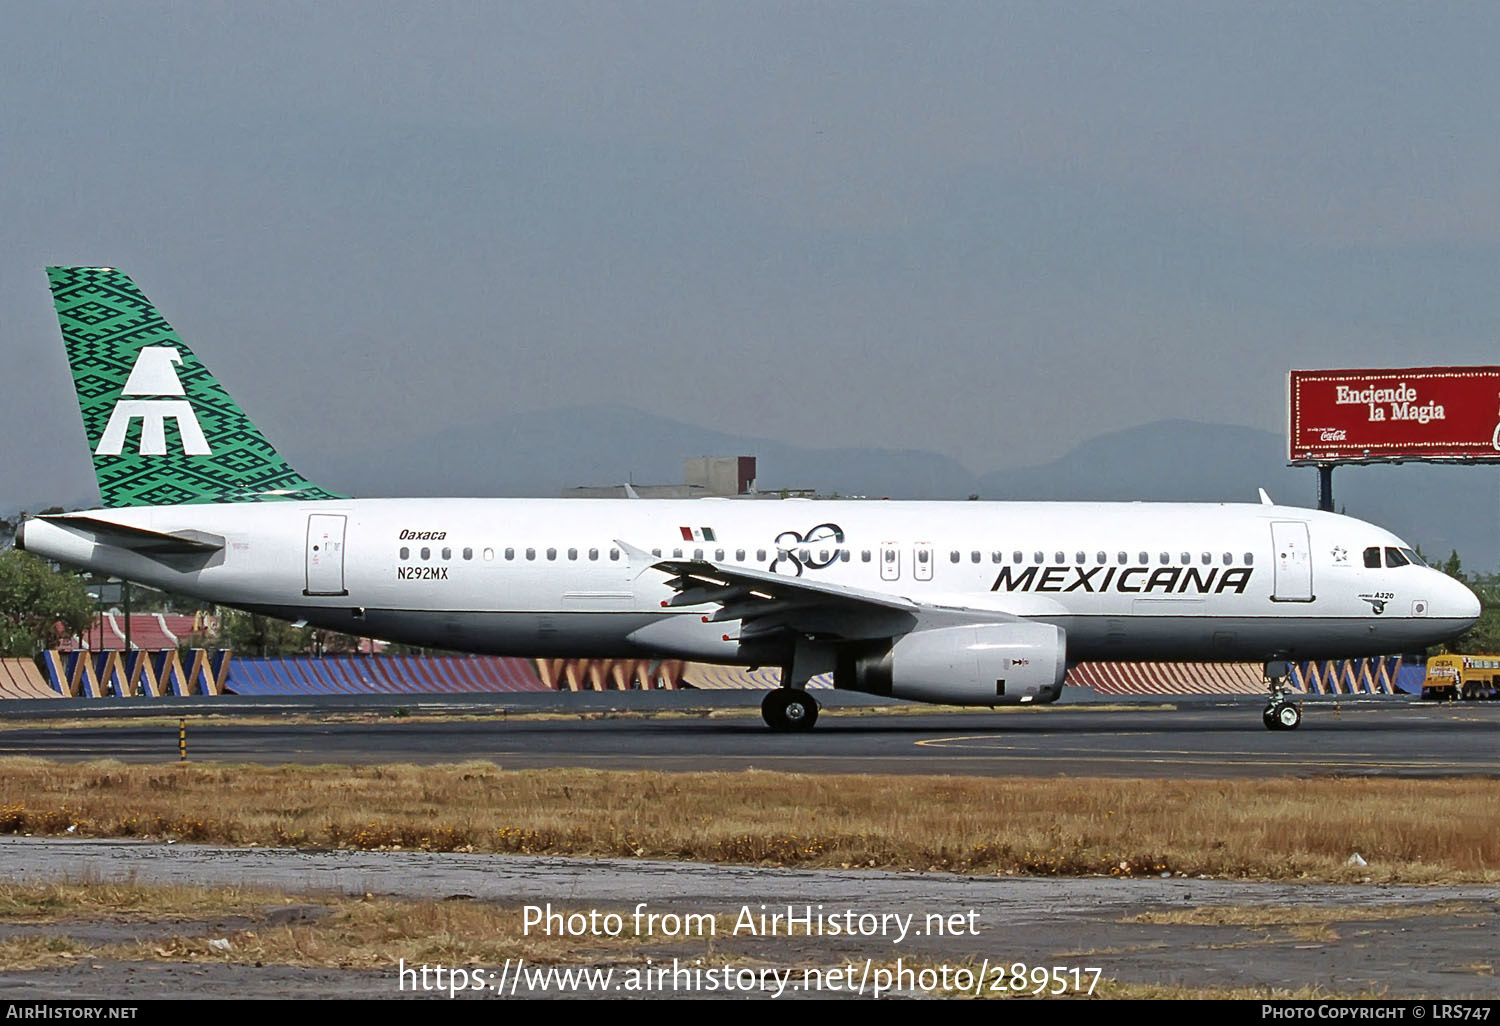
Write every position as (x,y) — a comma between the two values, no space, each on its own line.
(1282,714)
(789,709)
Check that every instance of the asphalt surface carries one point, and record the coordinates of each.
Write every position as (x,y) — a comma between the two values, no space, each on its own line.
(1190,737)
(1347,939)
(1339,938)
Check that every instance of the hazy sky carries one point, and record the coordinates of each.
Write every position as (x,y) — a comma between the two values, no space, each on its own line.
(991,230)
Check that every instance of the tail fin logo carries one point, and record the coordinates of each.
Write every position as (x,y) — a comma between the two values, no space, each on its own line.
(153,375)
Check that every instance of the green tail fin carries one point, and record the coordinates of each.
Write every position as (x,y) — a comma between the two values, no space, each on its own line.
(162,430)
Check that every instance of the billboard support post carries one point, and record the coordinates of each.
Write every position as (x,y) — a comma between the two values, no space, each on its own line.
(1325,487)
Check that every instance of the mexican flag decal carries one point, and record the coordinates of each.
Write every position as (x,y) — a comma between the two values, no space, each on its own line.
(697,533)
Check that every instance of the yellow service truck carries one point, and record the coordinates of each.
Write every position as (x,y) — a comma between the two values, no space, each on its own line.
(1451,677)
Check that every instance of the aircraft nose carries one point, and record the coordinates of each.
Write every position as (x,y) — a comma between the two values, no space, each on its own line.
(1461,603)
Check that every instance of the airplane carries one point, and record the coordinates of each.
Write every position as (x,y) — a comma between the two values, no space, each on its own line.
(963,603)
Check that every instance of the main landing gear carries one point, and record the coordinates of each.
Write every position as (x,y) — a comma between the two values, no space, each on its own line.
(1283,712)
(787,709)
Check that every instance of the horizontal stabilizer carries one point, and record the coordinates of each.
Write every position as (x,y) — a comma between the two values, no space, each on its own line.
(139,539)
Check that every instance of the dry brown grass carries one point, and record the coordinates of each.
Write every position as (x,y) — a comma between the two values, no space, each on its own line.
(1113,989)
(1297,915)
(1408,830)
(51,902)
(370,933)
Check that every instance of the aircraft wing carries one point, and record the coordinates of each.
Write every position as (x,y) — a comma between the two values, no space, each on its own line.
(766,603)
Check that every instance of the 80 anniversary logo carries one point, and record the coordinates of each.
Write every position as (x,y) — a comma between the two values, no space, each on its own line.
(791,562)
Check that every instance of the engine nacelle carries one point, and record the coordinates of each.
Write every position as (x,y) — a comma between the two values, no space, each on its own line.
(986,664)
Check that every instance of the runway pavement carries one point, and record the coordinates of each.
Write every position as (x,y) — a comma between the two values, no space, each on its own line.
(1399,941)
(1339,938)
(1189,738)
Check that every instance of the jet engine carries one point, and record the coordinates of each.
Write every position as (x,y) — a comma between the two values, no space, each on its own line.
(983,664)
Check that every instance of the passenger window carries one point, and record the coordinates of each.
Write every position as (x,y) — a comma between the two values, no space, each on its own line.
(697,553)
(1228,558)
(953,557)
(1249,559)
(1187,559)
(551,553)
(1166,557)
(676,553)
(614,554)
(995,556)
(468,553)
(572,553)
(822,555)
(531,553)
(739,555)
(718,555)
(447,553)
(1038,557)
(656,553)
(1015,557)
(1208,558)
(843,555)
(923,555)
(1393,557)
(864,556)
(405,552)
(1081,558)
(806,555)
(1058,557)
(593,553)
(1103,557)
(974,556)
(489,554)
(760,555)
(890,555)
(509,553)
(1145,558)
(426,553)
(1122,558)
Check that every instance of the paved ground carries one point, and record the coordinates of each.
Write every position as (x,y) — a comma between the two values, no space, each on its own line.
(1420,941)
(1192,738)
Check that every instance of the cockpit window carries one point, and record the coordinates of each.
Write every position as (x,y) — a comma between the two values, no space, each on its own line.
(1372,558)
(1413,558)
(1393,557)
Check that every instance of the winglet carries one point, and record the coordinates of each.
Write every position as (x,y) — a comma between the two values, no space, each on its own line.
(1265,500)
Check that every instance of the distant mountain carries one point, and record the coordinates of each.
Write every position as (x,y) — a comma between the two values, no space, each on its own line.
(1166,461)
(544,453)
(1439,508)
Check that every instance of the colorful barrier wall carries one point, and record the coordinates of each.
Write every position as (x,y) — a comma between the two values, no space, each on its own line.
(116,674)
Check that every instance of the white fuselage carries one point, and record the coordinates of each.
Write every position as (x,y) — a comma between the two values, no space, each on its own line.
(538,577)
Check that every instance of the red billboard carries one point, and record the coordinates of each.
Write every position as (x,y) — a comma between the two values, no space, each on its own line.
(1416,413)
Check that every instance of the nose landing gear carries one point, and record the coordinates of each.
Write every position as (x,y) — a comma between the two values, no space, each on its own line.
(1283,711)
